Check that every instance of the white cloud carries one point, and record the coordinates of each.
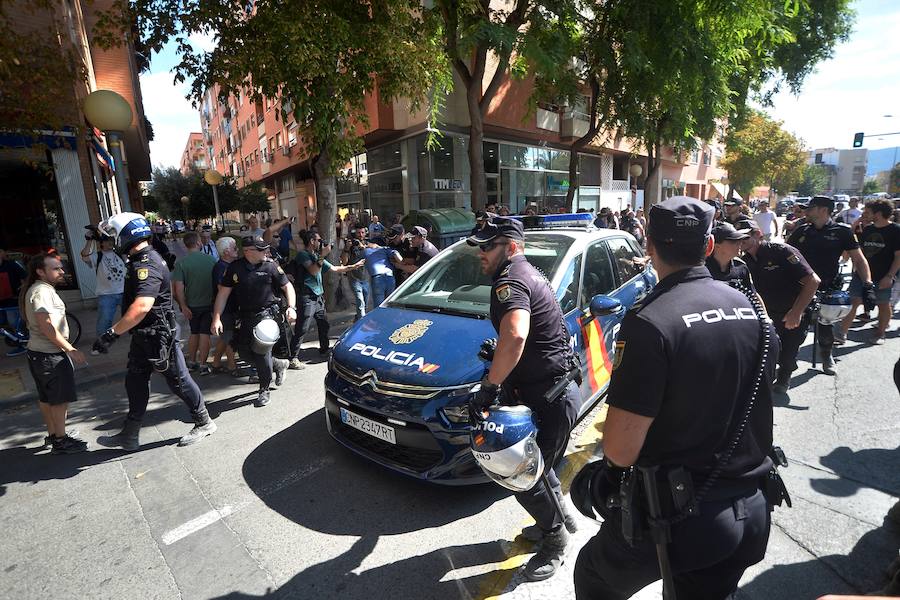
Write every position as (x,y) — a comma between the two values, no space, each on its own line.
(172,116)
(855,89)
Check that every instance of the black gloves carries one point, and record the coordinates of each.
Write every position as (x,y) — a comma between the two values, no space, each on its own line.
(868,296)
(105,341)
(488,347)
(596,488)
(484,398)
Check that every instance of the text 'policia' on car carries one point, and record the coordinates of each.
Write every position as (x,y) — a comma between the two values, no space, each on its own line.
(398,381)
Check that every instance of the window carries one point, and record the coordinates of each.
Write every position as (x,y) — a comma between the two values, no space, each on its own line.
(623,256)
(491,157)
(707,157)
(569,286)
(278,140)
(695,156)
(598,274)
(620,167)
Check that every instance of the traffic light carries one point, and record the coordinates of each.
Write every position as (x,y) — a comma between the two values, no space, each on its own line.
(858,139)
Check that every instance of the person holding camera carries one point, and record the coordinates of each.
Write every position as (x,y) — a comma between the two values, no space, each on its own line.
(98,254)
(309,266)
(355,251)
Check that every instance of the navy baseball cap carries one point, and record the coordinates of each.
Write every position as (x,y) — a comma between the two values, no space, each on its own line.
(825,201)
(254,242)
(419,231)
(680,220)
(733,202)
(396,230)
(747,226)
(498,226)
(727,232)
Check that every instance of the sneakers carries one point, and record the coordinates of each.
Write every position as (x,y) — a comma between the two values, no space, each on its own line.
(295,365)
(262,399)
(192,366)
(544,564)
(198,433)
(95,353)
(878,339)
(204,369)
(864,317)
(67,445)
(72,433)
(840,338)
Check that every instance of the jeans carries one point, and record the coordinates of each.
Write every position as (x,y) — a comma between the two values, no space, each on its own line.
(106,311)
(312,308)
(360,289)
(382,286)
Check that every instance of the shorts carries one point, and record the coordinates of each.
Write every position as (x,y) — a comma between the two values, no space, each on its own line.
(54,376)
(201,321)
(881,296)
(228,320)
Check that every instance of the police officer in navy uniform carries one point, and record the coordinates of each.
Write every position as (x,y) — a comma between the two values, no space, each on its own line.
(787,284)
(149,316)
(253,280)
(663,415)
(723,263)
(532,354)
(822,241)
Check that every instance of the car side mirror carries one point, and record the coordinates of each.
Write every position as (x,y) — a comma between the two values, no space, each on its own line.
(602,306)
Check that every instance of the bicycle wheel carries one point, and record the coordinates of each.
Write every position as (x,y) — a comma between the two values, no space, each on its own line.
(74,329)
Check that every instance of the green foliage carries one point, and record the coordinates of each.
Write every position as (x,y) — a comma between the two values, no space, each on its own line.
(760,152)
(894,180)
(169,186)
(871,186)
(816,180)
(252,198)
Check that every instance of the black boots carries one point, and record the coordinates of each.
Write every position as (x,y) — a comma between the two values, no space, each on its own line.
(204,427)
(127,439)
(827,362)
(549,557)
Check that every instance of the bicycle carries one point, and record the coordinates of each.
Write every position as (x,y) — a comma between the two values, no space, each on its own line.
(17,335)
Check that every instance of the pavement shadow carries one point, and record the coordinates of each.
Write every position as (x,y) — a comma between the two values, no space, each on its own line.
(869,468)
(351,496)
(863,570)
(336,578)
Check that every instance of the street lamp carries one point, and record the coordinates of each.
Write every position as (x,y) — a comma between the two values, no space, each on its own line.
(635,170)
(111,113)
(214,178)
(184,204)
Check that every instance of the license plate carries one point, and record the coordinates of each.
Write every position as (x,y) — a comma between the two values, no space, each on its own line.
(373,428)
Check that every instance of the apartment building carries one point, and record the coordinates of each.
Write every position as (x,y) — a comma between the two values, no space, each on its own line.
(846,168)
(526,158)
(194,156)
(54,183)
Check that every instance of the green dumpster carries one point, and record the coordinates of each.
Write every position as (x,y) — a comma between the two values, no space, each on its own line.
(445,225)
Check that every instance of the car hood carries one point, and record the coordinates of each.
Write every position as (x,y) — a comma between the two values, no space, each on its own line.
(415,347)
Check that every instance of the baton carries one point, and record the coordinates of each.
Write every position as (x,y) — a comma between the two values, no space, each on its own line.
(815,325)
(556,504)
(659,533)
(558,387)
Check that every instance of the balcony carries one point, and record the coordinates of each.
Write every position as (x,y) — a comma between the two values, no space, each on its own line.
(547,119)
(574,124)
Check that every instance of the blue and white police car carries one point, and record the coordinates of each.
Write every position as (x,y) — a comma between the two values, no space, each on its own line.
(398,381)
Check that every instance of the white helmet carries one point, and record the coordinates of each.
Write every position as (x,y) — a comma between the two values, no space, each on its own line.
(127,228)
(264,336)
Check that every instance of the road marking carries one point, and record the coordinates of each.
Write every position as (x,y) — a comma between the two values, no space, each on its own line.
(217,514)
(495,582)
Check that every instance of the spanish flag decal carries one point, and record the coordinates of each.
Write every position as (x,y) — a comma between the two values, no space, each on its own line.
(599,367)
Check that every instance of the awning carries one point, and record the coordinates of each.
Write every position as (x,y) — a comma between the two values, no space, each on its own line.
(721,189)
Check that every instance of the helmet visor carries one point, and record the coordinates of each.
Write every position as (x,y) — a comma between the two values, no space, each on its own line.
(518,476)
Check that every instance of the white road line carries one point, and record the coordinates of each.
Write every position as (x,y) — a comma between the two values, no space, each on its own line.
(215,515)
(195,525)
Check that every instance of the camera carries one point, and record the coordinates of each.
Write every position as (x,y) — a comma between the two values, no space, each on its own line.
(93,233)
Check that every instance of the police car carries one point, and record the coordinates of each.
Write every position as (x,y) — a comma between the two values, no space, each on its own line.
(398,381)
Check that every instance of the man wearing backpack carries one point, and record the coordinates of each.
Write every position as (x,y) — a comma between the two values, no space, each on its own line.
(98,254)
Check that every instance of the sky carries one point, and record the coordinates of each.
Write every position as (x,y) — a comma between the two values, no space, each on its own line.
(853,91)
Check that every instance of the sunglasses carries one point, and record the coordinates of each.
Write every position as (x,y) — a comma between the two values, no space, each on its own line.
(488,246)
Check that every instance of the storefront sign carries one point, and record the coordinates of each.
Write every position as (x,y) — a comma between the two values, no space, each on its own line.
(555,184)
(448,184)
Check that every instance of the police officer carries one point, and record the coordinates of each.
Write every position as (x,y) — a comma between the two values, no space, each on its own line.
(733,213)
(253,279)
(532,354)
(821,241)
(723,263)
(688,324)
(148,314)
(787,284)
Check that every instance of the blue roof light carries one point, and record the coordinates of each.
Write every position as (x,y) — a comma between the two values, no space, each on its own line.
(556,221)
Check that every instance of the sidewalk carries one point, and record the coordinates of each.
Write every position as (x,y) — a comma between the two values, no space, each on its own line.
(17,385)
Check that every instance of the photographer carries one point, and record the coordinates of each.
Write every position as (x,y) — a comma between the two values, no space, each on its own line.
(98,254)
(354,251)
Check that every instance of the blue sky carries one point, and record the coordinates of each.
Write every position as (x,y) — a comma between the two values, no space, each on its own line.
(851,92)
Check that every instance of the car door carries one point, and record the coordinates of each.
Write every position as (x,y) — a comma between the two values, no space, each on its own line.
(633,279)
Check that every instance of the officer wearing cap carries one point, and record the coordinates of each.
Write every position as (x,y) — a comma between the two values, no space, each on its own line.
(821,241)
(796,218)
(787,284)
(733,212)
(723,263)
(207,246)
(717,206)
(399,241)
(424,250)
(688,324)
(253,280)
(531,356)
(148,314)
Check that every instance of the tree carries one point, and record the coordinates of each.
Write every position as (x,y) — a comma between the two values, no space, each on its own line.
(169,186)
(252,198)
(871,186)
(760,152)
(894,180)
(319,60)
(816,180)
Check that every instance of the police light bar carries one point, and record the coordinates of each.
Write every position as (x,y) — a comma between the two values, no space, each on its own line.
(556,221)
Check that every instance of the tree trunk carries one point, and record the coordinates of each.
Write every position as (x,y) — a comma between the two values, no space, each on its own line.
(478,182)
(651,183)
(580,143)
(326,211)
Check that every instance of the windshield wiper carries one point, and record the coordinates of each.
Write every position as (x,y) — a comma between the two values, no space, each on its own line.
(440,310)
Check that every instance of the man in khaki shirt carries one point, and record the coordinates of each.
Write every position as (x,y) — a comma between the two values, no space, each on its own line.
(50,355)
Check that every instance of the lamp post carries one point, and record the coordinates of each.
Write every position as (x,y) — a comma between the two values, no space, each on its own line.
(724,181)
(635,171)
(214,178)
(111,113)
(184,204)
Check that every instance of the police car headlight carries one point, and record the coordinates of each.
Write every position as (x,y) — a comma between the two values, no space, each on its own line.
(460,413)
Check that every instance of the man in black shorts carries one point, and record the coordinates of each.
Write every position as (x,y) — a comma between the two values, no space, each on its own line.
(193,284)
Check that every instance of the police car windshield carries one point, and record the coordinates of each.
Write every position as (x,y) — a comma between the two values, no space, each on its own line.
(453,283)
